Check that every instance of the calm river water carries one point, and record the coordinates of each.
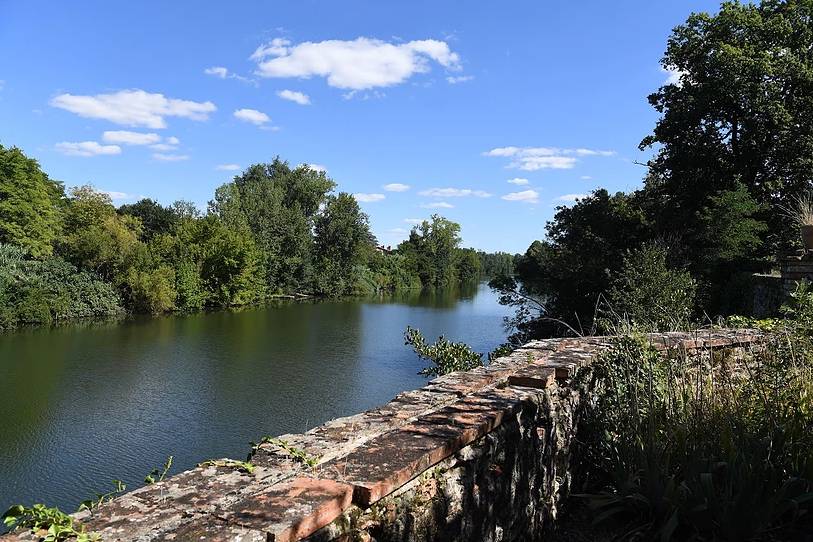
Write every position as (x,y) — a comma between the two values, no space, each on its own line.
(83,405)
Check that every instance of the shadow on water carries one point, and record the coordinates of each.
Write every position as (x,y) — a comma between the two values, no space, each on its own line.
(83,405)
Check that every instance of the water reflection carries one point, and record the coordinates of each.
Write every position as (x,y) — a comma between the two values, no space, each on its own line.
(84,405)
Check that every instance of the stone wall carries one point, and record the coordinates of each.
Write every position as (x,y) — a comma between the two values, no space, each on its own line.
(478,455)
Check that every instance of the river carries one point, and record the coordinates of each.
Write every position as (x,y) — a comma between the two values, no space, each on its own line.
(82,405)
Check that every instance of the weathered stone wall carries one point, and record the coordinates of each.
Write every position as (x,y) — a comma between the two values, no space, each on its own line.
(479,455)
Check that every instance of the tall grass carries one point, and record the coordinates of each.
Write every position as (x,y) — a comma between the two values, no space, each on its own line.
(707,447)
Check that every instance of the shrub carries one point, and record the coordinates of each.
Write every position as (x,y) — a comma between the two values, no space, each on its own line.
(700,448)
(652,295)
(446,356)
(44,291)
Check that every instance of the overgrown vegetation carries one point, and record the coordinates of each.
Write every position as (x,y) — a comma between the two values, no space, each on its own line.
(445,356)
(703,448)
(47,524)
(733,149)
(272,231)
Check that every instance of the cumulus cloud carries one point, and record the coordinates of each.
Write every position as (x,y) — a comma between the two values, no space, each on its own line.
(519,181)
(535,158)
(133,107)
(453,80)
(526,196)
(396,187)
(360,64)
(217,71)
(294,96)
(162,157)
(674,75)
(124,137)
(87,148)
(227,167)
(454,193)
(571,198)
(585,177)
(316,167)
(119,196)
(253,116)
(368,198)
(437,205)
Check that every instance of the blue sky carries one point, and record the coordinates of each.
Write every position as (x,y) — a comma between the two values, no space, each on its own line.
(418,107)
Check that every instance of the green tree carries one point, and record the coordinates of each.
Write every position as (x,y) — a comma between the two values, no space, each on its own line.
(342,239)
(467,265)
(558,283)
(155,218)
(740,113)
(98,239)
(29,203)
(433,246)
(278,205)
(649,293)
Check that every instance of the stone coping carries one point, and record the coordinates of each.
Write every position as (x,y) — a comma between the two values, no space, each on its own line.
(359,459)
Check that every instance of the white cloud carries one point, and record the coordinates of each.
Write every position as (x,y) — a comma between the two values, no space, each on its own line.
(454,193)
(217,71)
(227,167)
(87,148)
(119,196)
(453,80)
(169,157)
(396,187)
(519,181)
(163,147)
(674,75)
(253,116)
(359,64)
(414,221)
(294,96)
(368,198)
(172,140)
(397,231)
(585,177)
(571,198)
(535,158)
(2,84)
(437,205)
(316,167)
(526,196)
(223,73)
(124,137)
(133,107)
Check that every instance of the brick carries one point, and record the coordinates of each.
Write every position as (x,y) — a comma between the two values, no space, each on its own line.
(292,509)
(386,463)
(534,376)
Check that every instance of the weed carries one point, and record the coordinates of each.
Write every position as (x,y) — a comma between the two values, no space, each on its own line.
(49,524)
(100,498)
(156,475)
(296,453)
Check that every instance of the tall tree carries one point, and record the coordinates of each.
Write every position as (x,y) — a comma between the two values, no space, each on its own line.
(29,203)
(277,204)
(342,239)
(433,246)
(741,111)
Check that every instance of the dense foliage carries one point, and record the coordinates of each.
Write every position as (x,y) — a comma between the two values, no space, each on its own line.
(705,448)
(273,230)
(733,148)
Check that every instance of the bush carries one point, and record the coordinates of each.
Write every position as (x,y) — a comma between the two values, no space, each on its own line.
(446,356)
(45,291)
(650,294)
(700,448)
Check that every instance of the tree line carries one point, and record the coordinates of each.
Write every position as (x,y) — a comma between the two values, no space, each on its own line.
(274,230)
(733,151)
